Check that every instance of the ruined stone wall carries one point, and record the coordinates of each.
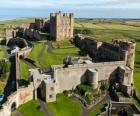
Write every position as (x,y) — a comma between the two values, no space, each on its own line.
(25,25)
(101,51)
(25,94)
(68,78)
(61,26)
(19,97)
(39,24)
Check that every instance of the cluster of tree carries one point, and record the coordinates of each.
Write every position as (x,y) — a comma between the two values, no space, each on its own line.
(18,42)
(104,85)
(4,68)
(87,92)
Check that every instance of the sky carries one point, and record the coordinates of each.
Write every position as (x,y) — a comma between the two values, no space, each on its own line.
(82,8)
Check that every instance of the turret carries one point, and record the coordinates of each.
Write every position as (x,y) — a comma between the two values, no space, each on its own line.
(128,47)
(92,78)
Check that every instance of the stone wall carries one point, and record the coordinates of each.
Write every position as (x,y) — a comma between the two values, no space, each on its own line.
(18,98)
(69,78)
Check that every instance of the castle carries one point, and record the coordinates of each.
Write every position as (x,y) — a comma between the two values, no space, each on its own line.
(61,26)
(113,62)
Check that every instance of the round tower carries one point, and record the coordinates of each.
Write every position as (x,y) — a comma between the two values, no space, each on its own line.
(93,78)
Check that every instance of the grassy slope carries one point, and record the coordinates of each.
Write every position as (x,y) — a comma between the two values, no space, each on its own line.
(30,109)
(65,107)
(24,70)
(44,59)
(67,50)
(134,101)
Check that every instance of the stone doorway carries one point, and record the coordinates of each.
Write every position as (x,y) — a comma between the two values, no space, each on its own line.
(13,106)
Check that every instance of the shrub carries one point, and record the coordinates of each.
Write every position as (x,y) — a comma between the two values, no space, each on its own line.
(104,85)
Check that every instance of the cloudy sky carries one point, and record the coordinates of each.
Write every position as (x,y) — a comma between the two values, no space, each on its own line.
(91,8)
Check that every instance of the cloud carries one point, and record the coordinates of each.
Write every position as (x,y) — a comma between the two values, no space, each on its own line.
(71,4)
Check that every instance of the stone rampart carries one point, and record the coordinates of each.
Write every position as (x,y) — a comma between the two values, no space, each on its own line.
(69,78)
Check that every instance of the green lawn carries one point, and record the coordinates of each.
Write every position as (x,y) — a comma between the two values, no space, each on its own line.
(100,108)
(24,70)
(30,109)
(65,107)
(61,44)
(134,101)
(137,81)
(44,59)
(73,50)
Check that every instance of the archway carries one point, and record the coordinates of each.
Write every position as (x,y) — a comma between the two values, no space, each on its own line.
(13,106)
(21,57)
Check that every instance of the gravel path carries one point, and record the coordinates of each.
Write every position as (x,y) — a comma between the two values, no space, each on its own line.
(45,108)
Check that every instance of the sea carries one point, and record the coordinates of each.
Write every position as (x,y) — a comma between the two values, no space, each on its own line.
(9,14)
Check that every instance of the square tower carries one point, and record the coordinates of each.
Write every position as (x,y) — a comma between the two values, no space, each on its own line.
(61,26)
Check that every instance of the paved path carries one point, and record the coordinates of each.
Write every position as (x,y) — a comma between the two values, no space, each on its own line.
(44,108)
(17,113)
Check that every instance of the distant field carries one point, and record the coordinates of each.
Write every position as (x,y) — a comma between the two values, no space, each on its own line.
(12,24)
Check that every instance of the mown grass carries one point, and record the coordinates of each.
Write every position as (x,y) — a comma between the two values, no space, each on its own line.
(65,106)
(62,44)
(44,60)
(31,109)
(24,71)
(73,50)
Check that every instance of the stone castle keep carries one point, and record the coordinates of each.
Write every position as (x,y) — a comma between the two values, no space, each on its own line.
(61,26)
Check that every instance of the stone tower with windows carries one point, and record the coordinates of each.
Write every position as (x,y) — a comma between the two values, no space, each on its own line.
(61,26)
(129,49)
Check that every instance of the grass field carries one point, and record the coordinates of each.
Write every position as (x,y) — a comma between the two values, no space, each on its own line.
(24,70)
(44,59)
(65,107)
(62,44)
(30,109)
(67,50)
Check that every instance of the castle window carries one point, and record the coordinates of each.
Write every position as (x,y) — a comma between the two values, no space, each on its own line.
(50,96)
(132,47)
(51,88)
(126,74)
